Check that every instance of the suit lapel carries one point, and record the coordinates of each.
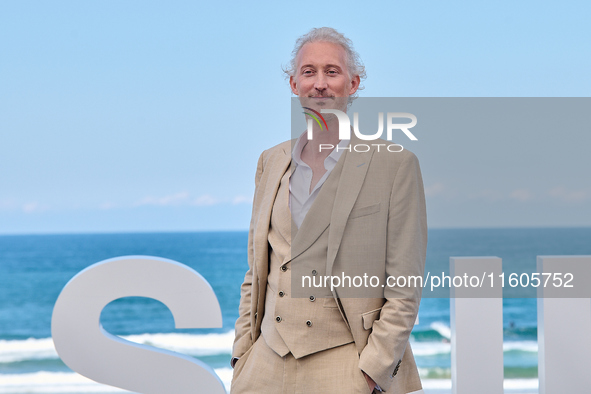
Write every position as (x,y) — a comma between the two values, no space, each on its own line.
(333,204)
(318,217)
(276,168)
(281,218)
(351,180)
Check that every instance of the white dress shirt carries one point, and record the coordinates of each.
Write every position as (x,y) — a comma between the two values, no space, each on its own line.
(300,197)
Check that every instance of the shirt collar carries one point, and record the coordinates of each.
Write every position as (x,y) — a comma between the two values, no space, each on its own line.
(301,142)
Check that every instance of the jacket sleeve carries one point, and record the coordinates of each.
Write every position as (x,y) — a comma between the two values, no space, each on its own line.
(243,340)
(405,256)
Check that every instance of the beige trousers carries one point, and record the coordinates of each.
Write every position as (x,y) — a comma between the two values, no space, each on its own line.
(334,371)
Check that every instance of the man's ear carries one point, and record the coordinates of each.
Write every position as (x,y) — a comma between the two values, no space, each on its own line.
(293,85)
(354,84)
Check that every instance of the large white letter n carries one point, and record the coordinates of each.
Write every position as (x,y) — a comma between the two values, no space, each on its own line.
(344,123)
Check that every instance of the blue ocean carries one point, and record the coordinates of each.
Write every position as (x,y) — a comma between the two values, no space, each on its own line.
(34,269)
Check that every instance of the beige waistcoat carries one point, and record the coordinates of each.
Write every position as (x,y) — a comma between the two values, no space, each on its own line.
(301,326)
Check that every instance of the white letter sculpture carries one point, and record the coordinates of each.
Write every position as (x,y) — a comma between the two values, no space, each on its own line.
(88,349)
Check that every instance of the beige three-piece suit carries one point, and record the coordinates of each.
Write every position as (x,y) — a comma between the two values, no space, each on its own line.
(368,218)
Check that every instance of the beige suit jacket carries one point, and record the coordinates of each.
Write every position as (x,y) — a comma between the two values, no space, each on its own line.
(376,222)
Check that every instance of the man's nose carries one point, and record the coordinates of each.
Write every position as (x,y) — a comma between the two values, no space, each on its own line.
(321,83)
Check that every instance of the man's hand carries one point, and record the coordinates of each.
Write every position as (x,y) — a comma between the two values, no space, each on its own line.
(370,382)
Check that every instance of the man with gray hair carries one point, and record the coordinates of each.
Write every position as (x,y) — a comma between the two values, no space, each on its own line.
(323,212)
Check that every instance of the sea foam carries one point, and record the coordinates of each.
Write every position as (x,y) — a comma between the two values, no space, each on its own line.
(190,344)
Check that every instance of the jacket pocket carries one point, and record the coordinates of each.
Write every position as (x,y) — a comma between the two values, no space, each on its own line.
(364,211)
(370,317)
(239,365)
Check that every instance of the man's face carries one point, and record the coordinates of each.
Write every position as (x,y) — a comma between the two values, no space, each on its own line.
(322,80)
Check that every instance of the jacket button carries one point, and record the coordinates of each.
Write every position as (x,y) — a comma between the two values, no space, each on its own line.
(256,314)
(281,294)
(309,323)
(283,268)
(312,298)
(278,319)
(314,272)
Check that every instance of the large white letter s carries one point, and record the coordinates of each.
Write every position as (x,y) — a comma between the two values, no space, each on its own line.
(88,349)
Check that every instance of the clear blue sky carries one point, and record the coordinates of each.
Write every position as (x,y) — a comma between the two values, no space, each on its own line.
(150,116)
